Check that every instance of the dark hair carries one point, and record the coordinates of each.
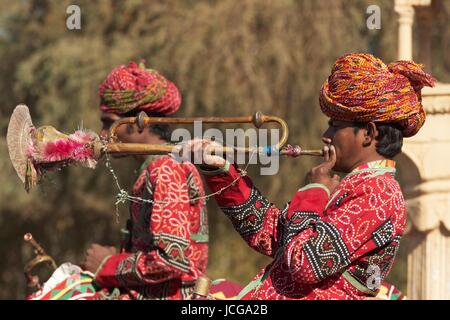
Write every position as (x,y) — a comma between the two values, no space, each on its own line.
(389,139)
(162,130)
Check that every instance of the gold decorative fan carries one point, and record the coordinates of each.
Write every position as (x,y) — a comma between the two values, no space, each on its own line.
(35,151)
(19,139)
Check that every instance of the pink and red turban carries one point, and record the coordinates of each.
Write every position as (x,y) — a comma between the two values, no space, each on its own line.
(133,87)
(362,88)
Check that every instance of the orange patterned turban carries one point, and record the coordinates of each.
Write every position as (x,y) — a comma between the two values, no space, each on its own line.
(362,88)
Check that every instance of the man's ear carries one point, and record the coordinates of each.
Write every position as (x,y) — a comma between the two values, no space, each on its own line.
(370,133)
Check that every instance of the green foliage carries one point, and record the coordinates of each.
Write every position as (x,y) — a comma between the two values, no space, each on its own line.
(228,58)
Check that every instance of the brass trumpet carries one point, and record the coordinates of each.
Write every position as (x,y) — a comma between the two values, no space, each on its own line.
(142,120)
(36,150)
(41,257)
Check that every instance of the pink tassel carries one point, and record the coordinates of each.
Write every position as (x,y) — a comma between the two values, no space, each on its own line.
(73,148)
(62,149)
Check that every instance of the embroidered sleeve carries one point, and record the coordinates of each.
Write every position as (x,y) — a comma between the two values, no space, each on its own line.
(255,218)
(168,231)
(319,244)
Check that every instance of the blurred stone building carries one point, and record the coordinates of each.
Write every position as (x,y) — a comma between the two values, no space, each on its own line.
(425,165)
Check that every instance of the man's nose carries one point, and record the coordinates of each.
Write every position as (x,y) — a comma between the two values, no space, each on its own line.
(327,136)
(326,140)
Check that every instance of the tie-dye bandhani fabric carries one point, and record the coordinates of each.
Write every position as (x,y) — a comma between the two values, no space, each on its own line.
(323,246)
(133,87)
(362,88)
(165,244)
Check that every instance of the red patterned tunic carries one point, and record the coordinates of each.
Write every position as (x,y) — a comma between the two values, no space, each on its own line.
(338,247)
(166,243)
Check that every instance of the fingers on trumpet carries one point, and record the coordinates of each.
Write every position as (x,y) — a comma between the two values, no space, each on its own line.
(201,152)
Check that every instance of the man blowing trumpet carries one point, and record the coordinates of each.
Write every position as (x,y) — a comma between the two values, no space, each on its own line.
(335,239)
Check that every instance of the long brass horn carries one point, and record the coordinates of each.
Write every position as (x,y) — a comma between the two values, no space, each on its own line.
(142,120)
(36,150)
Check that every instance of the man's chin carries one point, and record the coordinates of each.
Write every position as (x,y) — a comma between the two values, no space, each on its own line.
(338,168)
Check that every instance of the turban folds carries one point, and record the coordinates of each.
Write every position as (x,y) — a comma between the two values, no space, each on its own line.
(362,88)
(133,87)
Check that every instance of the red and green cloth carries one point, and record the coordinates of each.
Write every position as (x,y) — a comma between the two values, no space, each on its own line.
(68,282)
(81,287)
(223,289)
(389,292)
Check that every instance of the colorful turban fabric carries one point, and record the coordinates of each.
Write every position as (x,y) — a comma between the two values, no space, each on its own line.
(133,87)
(362,88)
